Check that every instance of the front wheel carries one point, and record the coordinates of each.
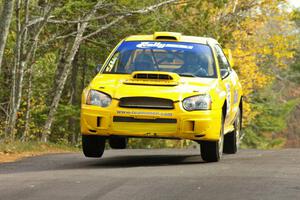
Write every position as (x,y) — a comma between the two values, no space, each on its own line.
(211,151)
(93,145)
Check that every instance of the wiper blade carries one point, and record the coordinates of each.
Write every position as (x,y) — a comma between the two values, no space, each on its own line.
(187,75)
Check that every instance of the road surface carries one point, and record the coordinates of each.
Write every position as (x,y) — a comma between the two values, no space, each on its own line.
(154,174)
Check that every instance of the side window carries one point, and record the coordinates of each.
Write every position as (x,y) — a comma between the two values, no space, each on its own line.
(223,63)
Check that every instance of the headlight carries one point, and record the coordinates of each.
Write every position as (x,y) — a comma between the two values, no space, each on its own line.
(199,102)
(98,99)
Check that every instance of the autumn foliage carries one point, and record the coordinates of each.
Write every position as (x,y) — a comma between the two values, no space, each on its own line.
(262,35)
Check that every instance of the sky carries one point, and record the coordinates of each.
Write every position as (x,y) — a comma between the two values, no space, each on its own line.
(295,3)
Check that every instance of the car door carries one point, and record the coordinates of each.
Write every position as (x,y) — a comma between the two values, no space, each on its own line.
(228,81)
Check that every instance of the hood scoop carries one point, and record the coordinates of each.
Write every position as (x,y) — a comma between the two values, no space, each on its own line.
(153,78)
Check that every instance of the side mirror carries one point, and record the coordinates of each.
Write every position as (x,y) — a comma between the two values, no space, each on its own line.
(224,73)
(228,55)
(98,68)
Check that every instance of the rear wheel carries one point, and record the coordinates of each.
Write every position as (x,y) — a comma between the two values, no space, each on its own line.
(118,142)
(211,151)
(93,145)
(232,139)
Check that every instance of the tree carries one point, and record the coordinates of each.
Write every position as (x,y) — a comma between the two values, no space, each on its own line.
(5,20)
(24,49)
(80,37)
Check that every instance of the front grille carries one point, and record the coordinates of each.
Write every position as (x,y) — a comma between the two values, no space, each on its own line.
(132,119)
(146,102)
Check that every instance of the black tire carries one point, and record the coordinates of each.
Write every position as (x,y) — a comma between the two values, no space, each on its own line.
(232,139)
(211,151)
(93,145)
(118,142)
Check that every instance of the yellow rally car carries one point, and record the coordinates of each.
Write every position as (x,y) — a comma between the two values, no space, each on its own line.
(164,85)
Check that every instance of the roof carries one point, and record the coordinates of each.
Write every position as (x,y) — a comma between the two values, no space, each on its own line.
(171,36)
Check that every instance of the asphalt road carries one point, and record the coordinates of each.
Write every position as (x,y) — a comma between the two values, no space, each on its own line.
(154,174)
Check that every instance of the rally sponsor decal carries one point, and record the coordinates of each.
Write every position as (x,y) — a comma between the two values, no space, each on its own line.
(235,97)
(160,45)
(144,113)
(228,98)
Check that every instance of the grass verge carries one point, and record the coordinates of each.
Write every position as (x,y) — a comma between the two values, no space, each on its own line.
(12,151)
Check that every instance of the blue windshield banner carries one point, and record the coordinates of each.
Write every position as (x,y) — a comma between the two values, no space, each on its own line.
(160,45)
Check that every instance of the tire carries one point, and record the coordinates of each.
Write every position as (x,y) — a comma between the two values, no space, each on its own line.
(211,151)
(93,145)
(232,139)
(118,142)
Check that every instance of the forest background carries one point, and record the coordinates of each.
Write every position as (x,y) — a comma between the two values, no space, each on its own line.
(49,50)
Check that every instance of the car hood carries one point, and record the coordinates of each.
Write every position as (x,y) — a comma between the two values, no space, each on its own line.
(122,85)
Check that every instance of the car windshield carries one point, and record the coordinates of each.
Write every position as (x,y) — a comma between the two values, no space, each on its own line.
(185,59)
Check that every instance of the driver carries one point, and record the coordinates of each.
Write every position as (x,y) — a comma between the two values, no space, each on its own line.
(193,64)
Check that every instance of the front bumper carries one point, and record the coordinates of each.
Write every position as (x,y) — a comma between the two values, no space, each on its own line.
(158,123)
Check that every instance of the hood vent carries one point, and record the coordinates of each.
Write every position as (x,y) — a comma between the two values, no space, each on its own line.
(153,76)
(156,78)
